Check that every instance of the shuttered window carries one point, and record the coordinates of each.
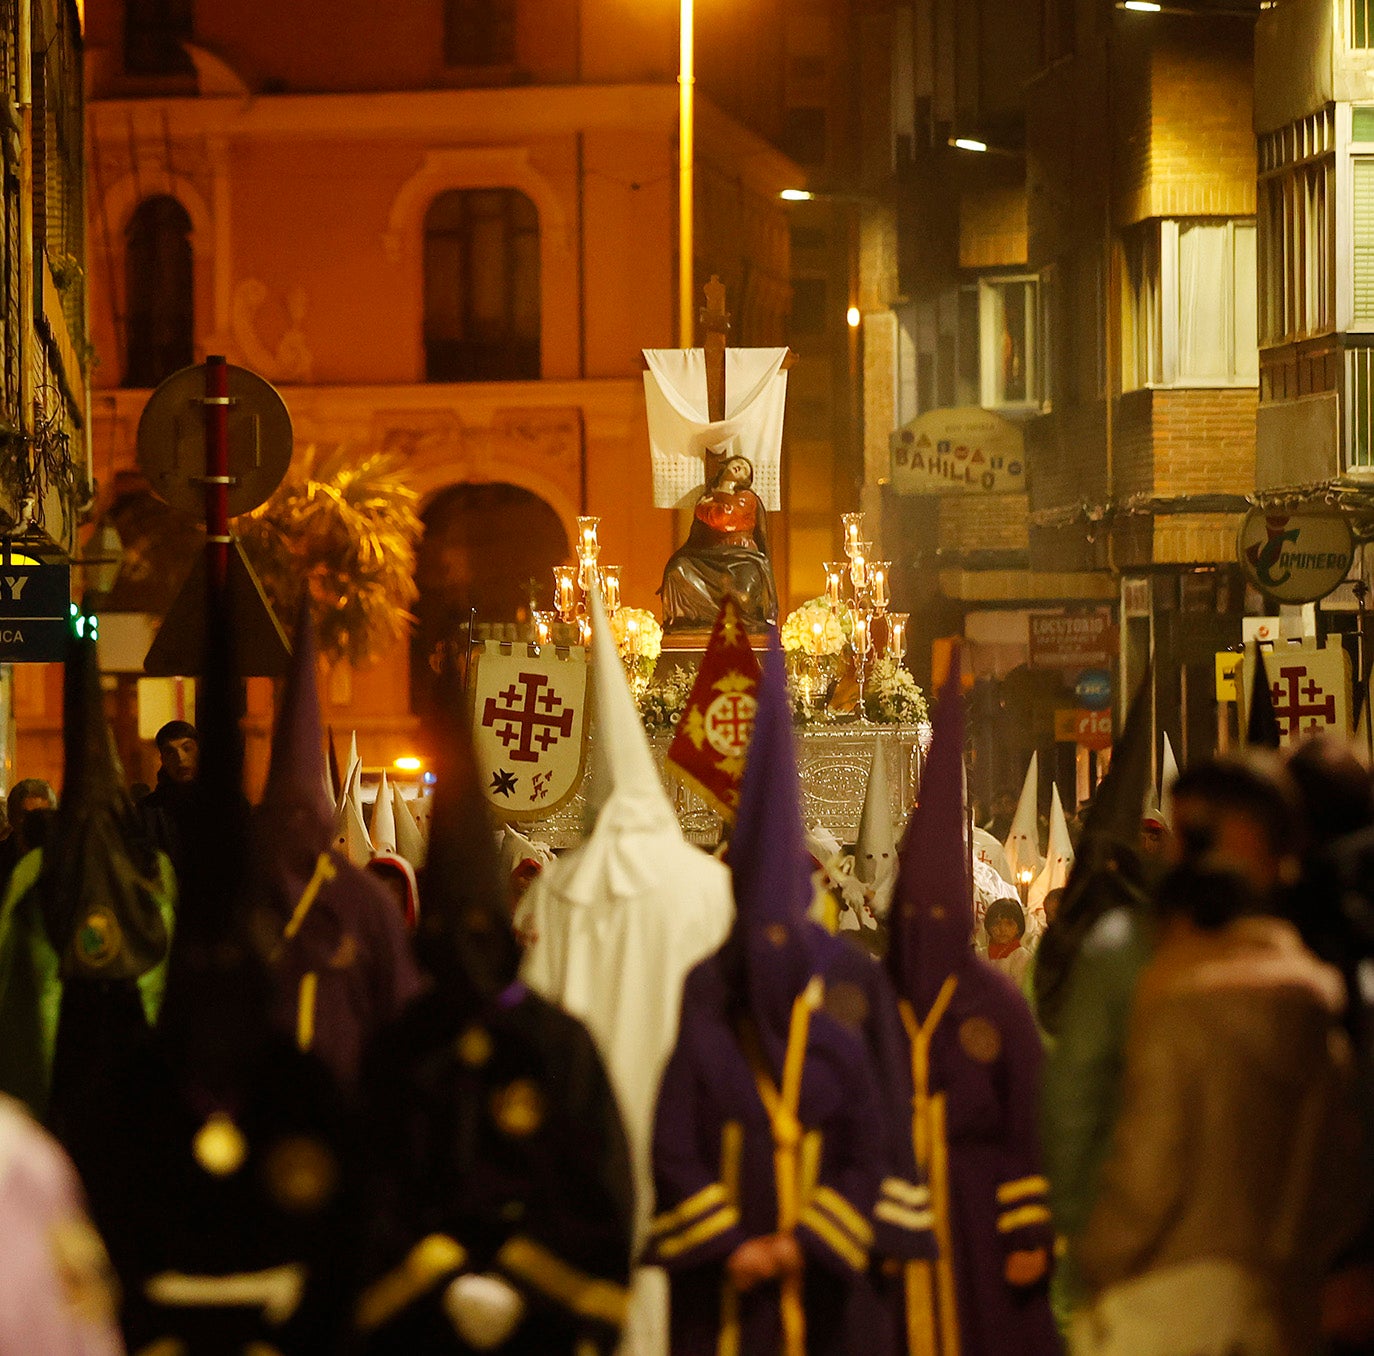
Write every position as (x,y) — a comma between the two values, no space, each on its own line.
(1363,176)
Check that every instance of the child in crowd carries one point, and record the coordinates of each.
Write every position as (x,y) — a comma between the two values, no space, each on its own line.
(1005,925)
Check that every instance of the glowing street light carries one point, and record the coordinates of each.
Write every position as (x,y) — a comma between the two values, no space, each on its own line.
(853,317)
(968,144)
(797,195)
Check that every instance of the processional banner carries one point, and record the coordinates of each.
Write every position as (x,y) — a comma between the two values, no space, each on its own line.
(1311,687)
(530,713)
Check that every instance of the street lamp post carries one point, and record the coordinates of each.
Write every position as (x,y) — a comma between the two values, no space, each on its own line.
(686,79)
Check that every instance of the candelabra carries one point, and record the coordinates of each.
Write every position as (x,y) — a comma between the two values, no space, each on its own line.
(864,585)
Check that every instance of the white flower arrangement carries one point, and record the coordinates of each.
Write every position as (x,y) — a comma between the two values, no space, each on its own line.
(662,701)
(892,696)
(814,629)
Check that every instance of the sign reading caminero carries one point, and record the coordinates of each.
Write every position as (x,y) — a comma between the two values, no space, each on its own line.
(958,451)
(1297,556)
(35,602)
(1076,638)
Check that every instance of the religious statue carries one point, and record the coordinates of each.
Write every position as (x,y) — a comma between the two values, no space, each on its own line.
(726,552)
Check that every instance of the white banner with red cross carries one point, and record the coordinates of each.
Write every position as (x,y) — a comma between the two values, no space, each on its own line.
(1311,686)
(530,713)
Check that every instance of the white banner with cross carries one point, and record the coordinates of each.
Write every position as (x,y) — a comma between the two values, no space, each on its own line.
(1311,686)
(530,709)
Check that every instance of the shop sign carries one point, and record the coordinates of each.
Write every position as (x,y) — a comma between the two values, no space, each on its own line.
(958,451)
(35,603)
(1298,556)
(1228,670)
(1094,689)
(1091,729)
(1076,638)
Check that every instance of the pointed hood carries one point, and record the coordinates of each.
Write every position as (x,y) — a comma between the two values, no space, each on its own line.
(294,819)
(932,915)
(771,866)
(335,774)
(99,906)
(383,830)
(625,792)
(464,939)
(1262,725)
(1023,841)
(1054,875)
(1107,871)
(410,842)
(1168,775)
(875,852)
(350,829)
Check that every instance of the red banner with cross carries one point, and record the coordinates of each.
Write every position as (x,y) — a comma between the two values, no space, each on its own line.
(1311,687)
(530,709)
(707,753)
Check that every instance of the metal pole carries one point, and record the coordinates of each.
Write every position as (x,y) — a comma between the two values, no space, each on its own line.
(686,321)
(217,473)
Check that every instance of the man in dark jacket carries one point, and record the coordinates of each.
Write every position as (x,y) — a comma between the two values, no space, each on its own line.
(167,809)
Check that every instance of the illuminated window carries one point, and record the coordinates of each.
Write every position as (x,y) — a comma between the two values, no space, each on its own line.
(1189,303)
(1362,23)
(1009,329)
(479,32)
(482,279)
(154,31)
(160,329)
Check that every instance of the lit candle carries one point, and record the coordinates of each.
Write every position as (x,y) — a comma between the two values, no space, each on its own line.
(877,579)
(858,564)
(896,635)
(853,531)
(817,635)
(565,590)
(543,626)
(861,635)
(834,575)
(632,636)
(584,629)
(610,586)
(588,548)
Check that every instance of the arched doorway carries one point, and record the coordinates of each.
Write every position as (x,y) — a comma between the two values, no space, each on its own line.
(488,547)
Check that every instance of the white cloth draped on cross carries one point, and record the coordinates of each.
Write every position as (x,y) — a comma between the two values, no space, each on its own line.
(680,429)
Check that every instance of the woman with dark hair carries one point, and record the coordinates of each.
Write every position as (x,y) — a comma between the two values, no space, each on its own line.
(1229,1181)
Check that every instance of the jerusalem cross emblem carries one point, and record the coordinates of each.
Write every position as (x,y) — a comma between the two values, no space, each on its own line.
(1311,689)
(529,721)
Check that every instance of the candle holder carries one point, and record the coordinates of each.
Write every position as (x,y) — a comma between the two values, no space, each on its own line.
(896,635)
(834,581)
(862,641)
(584,630)
(853,531)
(859,566)
(543,628)
(1025,877)
(879,575)
(588,548)
(610,587)
(565,591)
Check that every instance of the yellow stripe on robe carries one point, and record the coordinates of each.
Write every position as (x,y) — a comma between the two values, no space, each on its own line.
(588,1296)
(905,1192)
(674,1245)
(1023,1218)
(835,1238)
(830,1200)
(709,1198)
(899,1215)
(1010,1192)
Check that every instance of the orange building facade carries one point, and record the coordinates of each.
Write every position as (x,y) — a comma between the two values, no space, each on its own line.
(444,230)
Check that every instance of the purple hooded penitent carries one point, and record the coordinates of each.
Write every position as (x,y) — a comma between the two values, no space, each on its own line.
(976,1067)
(344,966)
(932,913)
(771,867)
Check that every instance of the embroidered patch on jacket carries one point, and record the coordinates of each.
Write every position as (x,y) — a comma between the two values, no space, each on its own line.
(981,1039)
(518,1108)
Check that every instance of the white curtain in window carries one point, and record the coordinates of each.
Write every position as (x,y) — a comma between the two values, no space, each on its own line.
(1245,328)
(1204,301)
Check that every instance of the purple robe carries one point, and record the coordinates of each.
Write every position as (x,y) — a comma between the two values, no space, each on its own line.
(985,1057)
(714,1176)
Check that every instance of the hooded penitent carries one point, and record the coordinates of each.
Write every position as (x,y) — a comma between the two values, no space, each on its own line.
(774,941)
(975,1057)
(343,959)
(1107,871)
(521,1222)
(410,842)
(614,925)
(1058,860)
(82,950)
(383,828)
(1023,841)
(758,1034)
(214,1153)
(875,853)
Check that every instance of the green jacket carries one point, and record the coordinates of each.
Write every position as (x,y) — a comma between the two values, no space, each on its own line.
(1081,1091)
(31,983)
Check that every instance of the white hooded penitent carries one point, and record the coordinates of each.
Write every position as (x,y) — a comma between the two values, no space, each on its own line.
(1023,842)
(617,922)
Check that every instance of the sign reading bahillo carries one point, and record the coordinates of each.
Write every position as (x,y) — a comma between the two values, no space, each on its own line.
(35,602)
(1296,556)
(958,451)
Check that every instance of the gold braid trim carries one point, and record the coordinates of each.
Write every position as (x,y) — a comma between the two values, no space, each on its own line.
(588,1296)
(430,1260)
